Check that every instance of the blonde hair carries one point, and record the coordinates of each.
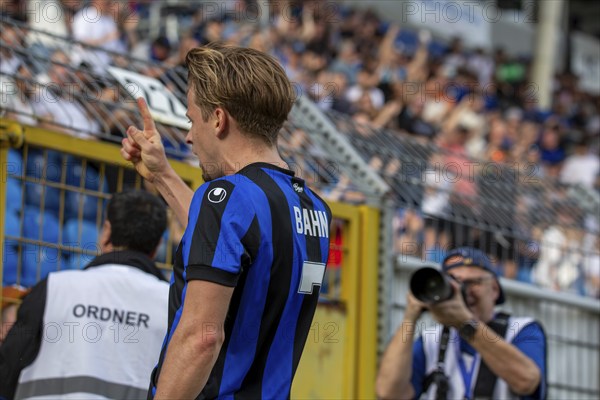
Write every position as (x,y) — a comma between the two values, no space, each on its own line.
(249,84)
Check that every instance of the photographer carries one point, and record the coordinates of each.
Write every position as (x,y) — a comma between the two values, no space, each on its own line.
(492,354)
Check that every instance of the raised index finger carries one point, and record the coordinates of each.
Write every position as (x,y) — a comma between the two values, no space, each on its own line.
(147,118)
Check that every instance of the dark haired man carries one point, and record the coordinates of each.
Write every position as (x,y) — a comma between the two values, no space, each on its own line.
(482,354)
(95,332)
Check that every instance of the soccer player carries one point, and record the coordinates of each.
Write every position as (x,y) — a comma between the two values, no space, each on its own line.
(249,267)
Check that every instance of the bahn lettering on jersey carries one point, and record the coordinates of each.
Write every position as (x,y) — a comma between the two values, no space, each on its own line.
(311,222)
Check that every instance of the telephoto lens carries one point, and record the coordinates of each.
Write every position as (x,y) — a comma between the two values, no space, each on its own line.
(430,285)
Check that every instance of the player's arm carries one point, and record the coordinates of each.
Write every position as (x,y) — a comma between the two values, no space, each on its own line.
(145,150)
(196,343)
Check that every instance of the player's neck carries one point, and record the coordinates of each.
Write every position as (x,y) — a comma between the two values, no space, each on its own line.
(250,155)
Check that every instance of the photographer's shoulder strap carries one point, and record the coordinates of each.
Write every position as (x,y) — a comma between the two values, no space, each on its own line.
(435,374)
(486,380)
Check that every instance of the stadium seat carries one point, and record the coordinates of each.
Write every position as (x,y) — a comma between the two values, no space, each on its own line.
(407,41)
(38,262)
(77,261)
(15,163)
(10,261)
(11,223)
(176,152)
(14,194)
(38,166)
(74,201)
(87,240)
(35,192)
(437,49)
(161,253)
(10,252)
(75,172)
(88,203)
(33,219)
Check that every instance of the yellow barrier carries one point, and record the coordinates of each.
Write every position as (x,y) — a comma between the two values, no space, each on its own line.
(340,356)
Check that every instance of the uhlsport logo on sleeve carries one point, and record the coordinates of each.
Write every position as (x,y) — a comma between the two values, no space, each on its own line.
(217,195)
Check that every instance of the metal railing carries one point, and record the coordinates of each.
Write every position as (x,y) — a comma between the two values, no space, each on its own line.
(444,200)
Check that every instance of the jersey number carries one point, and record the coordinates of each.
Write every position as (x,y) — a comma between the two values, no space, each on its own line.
(312,275)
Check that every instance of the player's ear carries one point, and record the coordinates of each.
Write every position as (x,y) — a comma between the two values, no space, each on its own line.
(220,121)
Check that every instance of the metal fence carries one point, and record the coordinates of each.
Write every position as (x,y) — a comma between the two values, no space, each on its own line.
(444,200)
(571,323)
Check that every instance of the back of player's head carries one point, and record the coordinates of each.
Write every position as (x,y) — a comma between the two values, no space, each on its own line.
(249,84)
(137,219)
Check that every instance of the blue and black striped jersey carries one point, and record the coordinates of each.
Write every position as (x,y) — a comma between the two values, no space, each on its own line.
(264,232)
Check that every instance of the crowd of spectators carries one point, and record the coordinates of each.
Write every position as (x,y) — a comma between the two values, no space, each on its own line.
(465,104)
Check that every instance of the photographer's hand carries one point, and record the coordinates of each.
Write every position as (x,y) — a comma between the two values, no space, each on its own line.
(453,312)
(414,308)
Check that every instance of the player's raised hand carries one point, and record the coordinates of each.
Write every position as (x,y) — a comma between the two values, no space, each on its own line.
(144,148)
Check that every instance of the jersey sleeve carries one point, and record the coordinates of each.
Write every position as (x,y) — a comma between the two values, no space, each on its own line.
(531,341)
(222,234)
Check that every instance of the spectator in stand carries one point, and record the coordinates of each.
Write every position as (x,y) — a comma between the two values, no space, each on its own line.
(582,167)
(366,83)
(347,62)
(95,25)
(591,269)
(16,95)
(559,264)
(12,38)
(552,152)
(57,101)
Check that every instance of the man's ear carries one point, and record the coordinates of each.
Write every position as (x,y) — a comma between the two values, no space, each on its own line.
(104,238)
(221,122)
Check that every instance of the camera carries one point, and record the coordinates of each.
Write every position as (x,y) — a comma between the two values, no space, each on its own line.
(430,285)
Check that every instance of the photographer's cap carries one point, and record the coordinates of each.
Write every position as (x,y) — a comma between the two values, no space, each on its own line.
(470,257)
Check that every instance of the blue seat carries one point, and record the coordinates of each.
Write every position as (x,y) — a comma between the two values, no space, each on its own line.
(10,259)
(161,252)
(38,262)
(38,166)
(437,49)
(34,221)
(14,194)
(77,261)
(35,192)
(407,41)
(176,151)
(90,181)
(74,201)
(85,239)
(15,163)
(87,203)
(11,223)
